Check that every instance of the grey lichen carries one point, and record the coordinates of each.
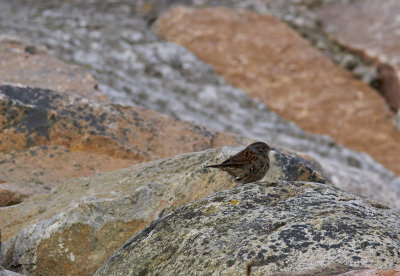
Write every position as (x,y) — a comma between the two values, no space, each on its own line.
(274,227)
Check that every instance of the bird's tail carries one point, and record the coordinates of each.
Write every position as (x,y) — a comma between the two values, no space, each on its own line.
(213,166)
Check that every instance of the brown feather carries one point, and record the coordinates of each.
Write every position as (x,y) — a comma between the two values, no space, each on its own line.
(249,165)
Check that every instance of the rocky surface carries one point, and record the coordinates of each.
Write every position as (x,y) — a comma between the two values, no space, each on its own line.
(53,135)
(48,137)
(59,161)
(26,64)
(389,85)
(372,272)
(271,226)
(77,226)
(5,272)
(375,24)
(396,121)
(134,66)
(100,35)
(38,169)
(270,61)
(340,270)
(8,198)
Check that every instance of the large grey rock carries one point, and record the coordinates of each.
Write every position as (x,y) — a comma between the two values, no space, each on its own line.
(368,272)
(76,227)
(26,64)
(45,136)
(5,272)
(193,93)
(374,43)
(271,226)
(133,66)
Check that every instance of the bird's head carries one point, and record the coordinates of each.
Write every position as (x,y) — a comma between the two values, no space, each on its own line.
(261,148)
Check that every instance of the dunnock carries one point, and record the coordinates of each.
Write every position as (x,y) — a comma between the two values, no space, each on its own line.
(249,165)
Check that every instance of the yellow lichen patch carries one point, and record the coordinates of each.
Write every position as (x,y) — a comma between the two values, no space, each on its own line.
(308,174)
(146,7)
(290,193)
(211,210)
(308,185)
(234,202)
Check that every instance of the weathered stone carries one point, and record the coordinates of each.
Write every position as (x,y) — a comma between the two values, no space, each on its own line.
(396,120)
(270,61)
(377,43)
(333,269)
(349,170)
(4,272)
(286,167)
(271,226)
(372,272)
(165,63)
(132,65)
(8,198)
(38,169)
(58,134)
(389,85)
(78,225)
(26,64)
(341,270)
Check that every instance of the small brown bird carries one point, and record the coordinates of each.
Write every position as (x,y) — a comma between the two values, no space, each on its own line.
(249,165)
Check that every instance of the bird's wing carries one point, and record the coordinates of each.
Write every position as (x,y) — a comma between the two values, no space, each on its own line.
(242,158)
